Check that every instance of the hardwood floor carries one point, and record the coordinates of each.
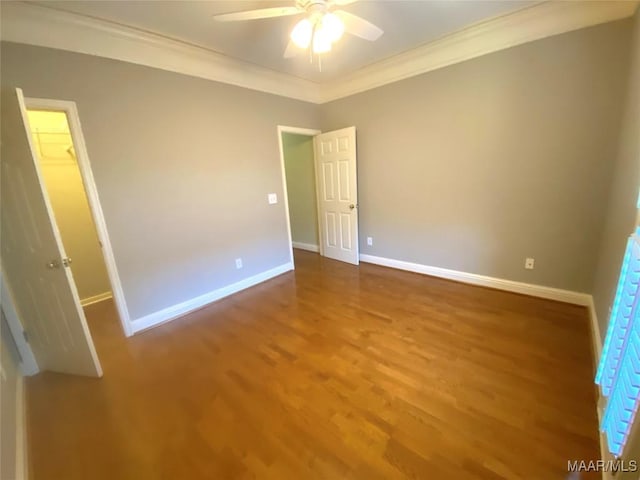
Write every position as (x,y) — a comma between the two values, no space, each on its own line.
(331,372)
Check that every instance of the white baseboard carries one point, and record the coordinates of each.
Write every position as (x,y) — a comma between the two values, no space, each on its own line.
(21,468)
(95,299)
(306,246)
(568,296)
(180,309)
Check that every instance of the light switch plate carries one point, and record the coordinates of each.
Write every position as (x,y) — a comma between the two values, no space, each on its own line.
(273,198)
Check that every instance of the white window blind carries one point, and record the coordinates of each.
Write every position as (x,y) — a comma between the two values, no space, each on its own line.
(618,372)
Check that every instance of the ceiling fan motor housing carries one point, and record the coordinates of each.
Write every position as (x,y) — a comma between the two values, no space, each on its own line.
(313,6)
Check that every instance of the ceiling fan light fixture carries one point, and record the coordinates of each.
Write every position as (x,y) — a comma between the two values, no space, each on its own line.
(302,33)
(318,31)
(321,41)
(332,26)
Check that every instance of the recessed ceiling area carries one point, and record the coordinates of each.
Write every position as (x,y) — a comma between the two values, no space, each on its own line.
(406,25)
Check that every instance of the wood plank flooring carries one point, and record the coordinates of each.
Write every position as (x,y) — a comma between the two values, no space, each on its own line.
(329,372)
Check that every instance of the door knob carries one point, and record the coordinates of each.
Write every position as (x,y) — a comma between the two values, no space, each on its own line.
(66,261)
(53,264)
(352,206)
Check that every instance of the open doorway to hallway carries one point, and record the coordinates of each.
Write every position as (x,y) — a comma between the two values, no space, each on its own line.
(298,161)
(321,169)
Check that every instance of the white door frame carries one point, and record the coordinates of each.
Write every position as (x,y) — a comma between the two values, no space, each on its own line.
(310,132)
(91,190)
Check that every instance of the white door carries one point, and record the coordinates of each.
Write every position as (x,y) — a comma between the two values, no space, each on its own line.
(337,186)
(33,258)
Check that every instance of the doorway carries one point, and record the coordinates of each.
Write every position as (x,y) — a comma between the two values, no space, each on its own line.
(319,172)
(296,148)
(67,179)
(56,154)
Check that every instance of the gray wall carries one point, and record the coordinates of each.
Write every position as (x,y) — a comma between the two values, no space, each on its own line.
(621,210)
(476,166)
(301,187)
(183,167)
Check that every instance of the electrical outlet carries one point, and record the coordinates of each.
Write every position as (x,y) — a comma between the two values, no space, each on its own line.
(273,198)
(238,263)
(528,263)
(369,241)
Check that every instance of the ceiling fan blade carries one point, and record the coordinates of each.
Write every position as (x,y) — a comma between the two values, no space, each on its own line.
(291,50)
(257,14)
(358,26)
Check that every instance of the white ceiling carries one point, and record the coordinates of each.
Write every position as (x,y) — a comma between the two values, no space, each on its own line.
(407,24)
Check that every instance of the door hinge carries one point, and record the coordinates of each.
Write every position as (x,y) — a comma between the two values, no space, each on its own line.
(25,335)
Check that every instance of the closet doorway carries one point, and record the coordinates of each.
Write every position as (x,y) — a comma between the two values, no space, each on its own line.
(62,179)
(67,181)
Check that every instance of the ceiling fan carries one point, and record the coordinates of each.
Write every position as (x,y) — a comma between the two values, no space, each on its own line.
(320,28)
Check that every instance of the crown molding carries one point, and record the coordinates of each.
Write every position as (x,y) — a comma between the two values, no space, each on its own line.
(533,23)
(46,27)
